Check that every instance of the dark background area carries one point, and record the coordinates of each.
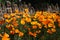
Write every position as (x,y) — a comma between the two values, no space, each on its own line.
(41,4)
(38,4)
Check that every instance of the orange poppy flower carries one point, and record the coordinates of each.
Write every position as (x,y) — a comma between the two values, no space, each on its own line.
(41,18)
(45,26)
(1,35)
(20,13)
(13,28)
(17,31)
(58,20)
(8,21)
(26,10)
(21,34)
(51,20)
(34,34)
(50,25)
(16,11)
(30,33)
(26,15)
(38,13)
(12,32)
(2,22)
(53,30)
(59,24)
(28,19)
(12,14)
(38,31)
(15,23)
(6,16)
(17,16)
(53,26)
(34,22)
(34,27)
(49,31)
(5,37)
(14,18)
(7,26)
(39,25)
(45,22)
(22,21)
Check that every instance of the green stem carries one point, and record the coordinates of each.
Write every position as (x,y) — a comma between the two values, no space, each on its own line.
(34,38)
(29,37)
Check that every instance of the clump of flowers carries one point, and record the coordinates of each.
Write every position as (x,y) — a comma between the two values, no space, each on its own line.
(23,24)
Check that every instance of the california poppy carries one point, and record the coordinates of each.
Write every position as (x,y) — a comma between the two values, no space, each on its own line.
(5,37)
(45,22)
(17,31)
(22,21)
(15,23)
(28,19)
(34,27)
(2,22)
(53,30)
(49,31)
(21,34)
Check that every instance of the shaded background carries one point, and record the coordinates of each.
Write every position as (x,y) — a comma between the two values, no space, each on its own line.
(37,4)
(41,4)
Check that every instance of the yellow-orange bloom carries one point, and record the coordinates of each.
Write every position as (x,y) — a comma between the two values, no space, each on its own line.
(30,33)
(26,10)
(15,23)
(1,35)
(17,31)
(7,26)
(59,24)
(34,27)
(34,22)
(22,21)
(2,21)
(41,18)
(26,15)
(34,34)
(50,25)
(38,31)
(45,26)
(14,18)
(45,22)
(12,32)
(17,16)
(49,31)
(13,28)
(53,30)
(6,16)
(12,14)
(5,37)
(58,20)
(16,11)
(8,21)
(28,19)
(21,34)
(39,25)
(49,16)
(38,13)
(51,20)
